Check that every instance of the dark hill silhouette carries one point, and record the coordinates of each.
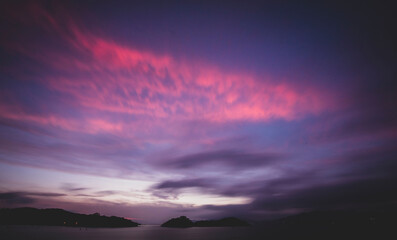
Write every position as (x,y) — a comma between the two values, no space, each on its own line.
(341,224)
(60,217)
(183,222)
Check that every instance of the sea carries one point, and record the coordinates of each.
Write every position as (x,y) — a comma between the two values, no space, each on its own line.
(143,232)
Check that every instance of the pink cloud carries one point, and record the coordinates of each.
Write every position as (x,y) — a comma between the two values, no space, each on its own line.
(105,76)
(160,86)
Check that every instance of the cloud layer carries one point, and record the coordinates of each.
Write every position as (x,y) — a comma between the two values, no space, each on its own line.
(259,111)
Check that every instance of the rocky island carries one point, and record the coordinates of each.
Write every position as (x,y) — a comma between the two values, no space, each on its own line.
(184,222)
(60,217)
(180,222)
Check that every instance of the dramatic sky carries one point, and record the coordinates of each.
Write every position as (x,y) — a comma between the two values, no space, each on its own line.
(151,110)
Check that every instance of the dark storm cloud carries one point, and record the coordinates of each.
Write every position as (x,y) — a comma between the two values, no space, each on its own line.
(229,158)
(72,188)
(41,194)
(11,198)
(14,198)
(360,193)
(186,183)
(363,179)
(368,179)
(286,183)
(170,189)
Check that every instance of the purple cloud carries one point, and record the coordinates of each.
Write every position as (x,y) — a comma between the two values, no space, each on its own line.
(185,183)
(293,108)
(8,199)
(229,158)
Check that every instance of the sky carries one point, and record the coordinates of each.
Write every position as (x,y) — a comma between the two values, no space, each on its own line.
(155,109)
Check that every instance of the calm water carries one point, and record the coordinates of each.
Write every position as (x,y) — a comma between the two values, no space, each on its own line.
(145,232)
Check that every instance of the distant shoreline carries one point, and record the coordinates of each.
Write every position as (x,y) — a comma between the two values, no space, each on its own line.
(184,222)
(60,217)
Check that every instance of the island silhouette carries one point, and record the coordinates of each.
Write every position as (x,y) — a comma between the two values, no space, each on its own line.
(184,222)
(331,224)
(60,217)
(180,222)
